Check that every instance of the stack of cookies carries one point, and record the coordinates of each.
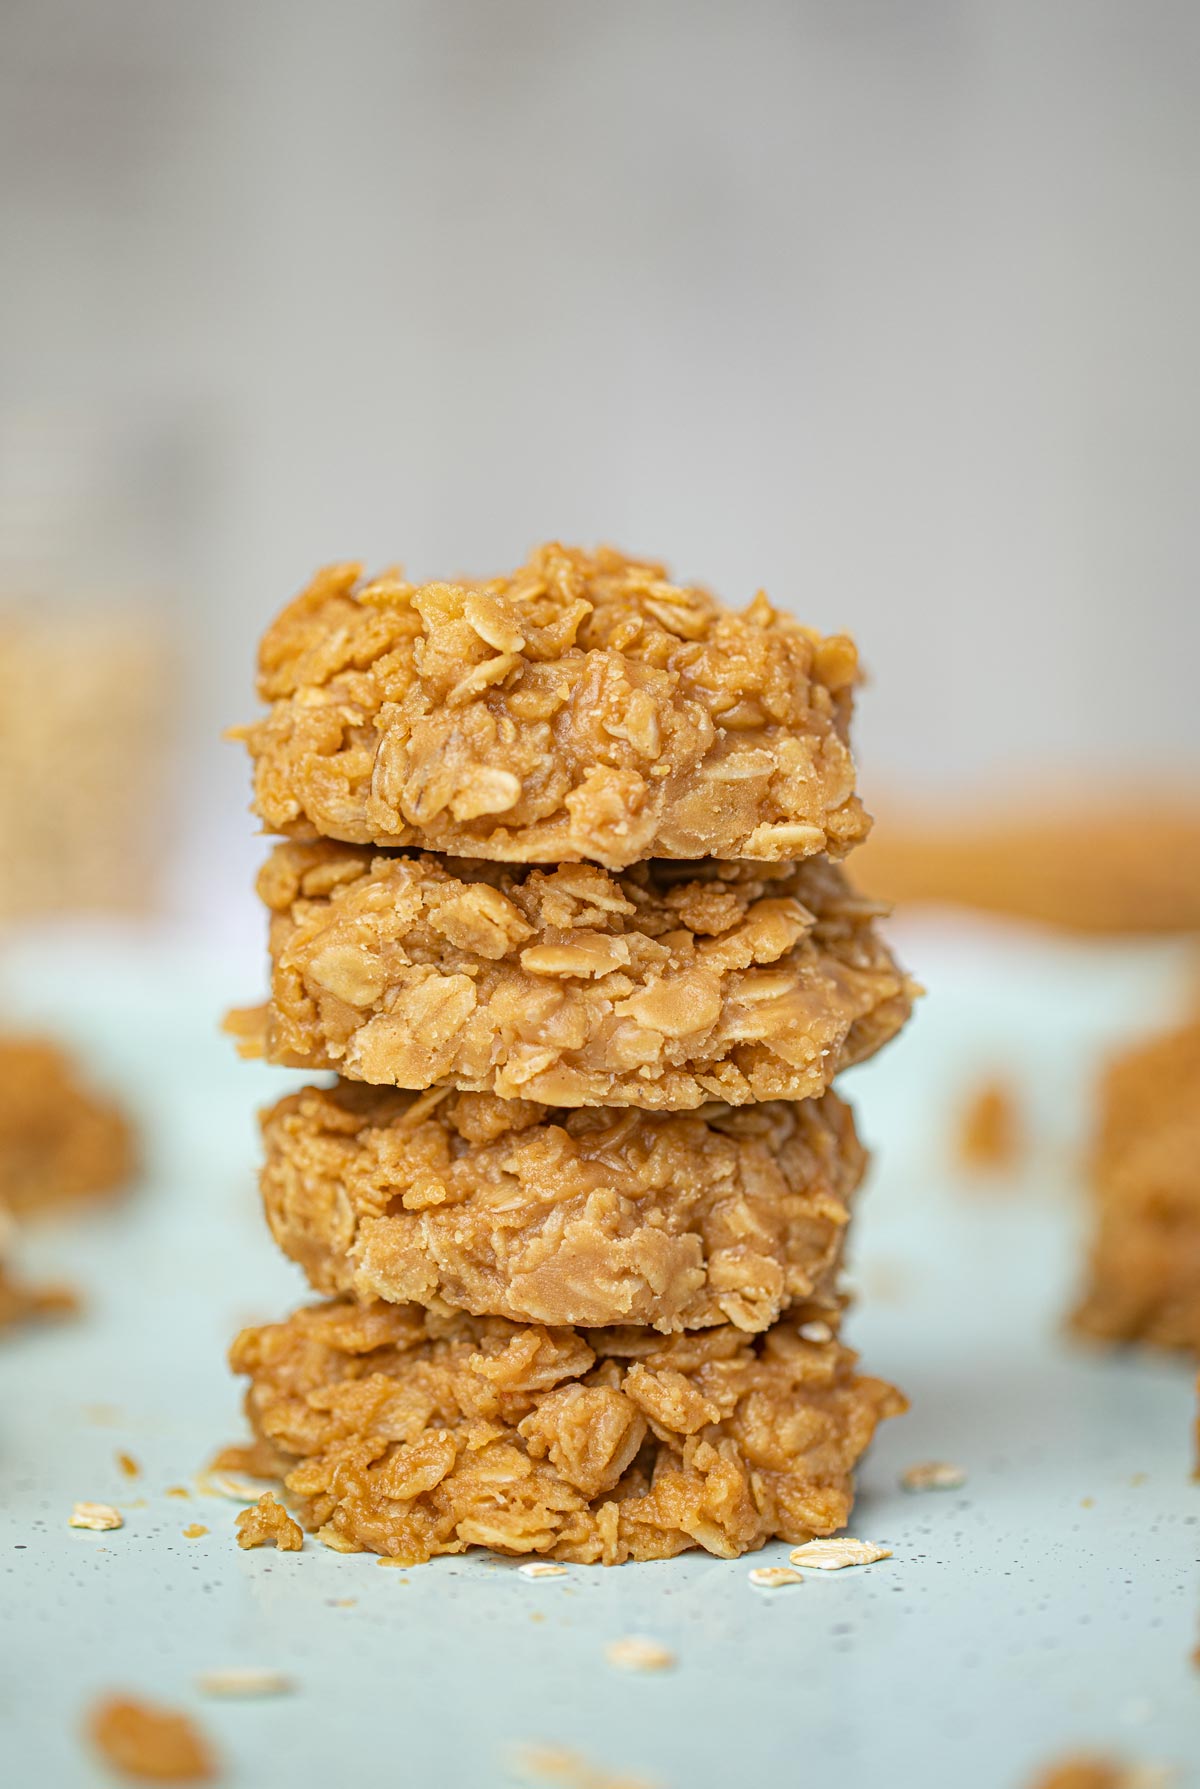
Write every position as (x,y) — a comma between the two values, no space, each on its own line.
(558,900)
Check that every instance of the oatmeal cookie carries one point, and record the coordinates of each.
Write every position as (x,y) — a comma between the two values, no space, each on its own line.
(408,1434)
(581,708)
(1145,1260)
(58,1140)
(663,987)
(461,1201)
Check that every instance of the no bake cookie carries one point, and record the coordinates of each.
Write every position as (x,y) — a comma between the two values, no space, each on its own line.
(58,1140)
(1144,1281)
(663,987)
(461,1201)
(407,1434)
(580,708)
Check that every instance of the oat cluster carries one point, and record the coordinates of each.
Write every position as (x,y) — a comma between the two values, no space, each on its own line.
(558,900)
(582,708)
(413,1434)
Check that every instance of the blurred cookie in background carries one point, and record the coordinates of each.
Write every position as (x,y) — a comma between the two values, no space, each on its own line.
(59,1140)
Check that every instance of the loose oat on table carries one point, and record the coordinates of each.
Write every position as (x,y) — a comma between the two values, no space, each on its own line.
(1144,1267)
(933,1475)
(565,1769)
(150,1744)
(542,1568)
(773,1577)
(635,1652)
(580,708)
(59,1141)
(1088,1770)
(128,1465)
(507,1208)
(243,1681)
(663,987)
(100,1516)
(267,1524)
(837,1554)
(194,1531)
(410,1434)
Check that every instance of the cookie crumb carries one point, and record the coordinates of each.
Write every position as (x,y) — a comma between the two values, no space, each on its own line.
(989,1128)
(571,1770)
(150,1744)
(542,1568)
(773,1577)
(1087,1770)
(177,1491)
(635,1653)
(933,1475)
(836,1555)
(194,1530)
(20,1303)
(128,1465)
(243,1680)
(100,1516)
(268,1524)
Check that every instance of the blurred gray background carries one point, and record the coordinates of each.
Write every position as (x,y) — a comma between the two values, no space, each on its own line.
(890,308)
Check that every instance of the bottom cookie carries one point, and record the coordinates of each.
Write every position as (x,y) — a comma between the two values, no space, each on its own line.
(408,1434)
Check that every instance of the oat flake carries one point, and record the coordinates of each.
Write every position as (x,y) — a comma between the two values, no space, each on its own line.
(773,1577)
(835,1555)
(635,1653)
(933,1475)
(100,1516)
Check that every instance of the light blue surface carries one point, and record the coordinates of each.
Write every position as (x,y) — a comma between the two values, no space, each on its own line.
(1052,1603)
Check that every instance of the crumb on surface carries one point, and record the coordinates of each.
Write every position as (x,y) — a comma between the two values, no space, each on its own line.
(194,1530)
(1089,1770)
(20,1303)
(148,1743)
(566,1769)
(836,1555)
(128,1464)
(989,1127)
(268,1524)
(243,1680)
(933,1475)
(773,1577)
(100,1516)
(542,1568)
(637,1653)
(177,1491)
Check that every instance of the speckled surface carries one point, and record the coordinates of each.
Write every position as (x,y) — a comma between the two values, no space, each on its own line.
(1052,1603)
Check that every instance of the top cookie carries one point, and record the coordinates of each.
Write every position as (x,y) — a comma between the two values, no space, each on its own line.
(582,708)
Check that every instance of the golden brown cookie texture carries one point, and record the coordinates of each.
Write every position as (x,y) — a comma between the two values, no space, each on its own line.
(461,1201)
(1144,1272)
(580,708)
(59,1141)
(663,987)
(408,1434)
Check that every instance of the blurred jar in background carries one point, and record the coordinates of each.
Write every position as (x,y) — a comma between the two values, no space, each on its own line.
(87,728)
